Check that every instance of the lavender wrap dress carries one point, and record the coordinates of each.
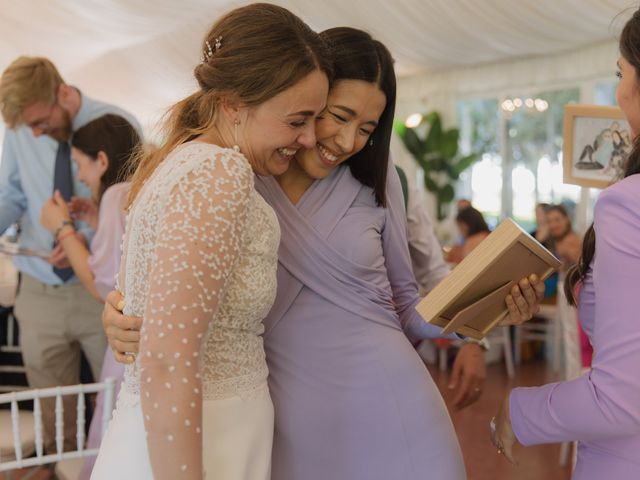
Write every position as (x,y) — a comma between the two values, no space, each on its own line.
(601,408)
(353,400)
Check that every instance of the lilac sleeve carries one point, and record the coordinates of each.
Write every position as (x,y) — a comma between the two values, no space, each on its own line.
(398,265)
(107,242)
(604,402)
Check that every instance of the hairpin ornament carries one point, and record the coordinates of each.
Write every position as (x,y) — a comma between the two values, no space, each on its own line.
(209,51)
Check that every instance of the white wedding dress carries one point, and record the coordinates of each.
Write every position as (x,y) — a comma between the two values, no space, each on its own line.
(199,265)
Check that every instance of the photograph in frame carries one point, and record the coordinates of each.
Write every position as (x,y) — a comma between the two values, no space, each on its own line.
(597,141)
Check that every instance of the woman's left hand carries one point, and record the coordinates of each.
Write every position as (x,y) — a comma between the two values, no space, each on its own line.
(467,376)
(54,212)
(524,300)
(502,435)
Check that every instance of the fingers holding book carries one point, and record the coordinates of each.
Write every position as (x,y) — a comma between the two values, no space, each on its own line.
(524,300)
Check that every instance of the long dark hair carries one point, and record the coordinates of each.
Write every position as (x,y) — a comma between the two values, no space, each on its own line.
(473,219)
(630,50)
(114,136)
(357,56)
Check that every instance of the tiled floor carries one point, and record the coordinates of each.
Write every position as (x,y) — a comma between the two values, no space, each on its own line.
(481,460)
(38,473)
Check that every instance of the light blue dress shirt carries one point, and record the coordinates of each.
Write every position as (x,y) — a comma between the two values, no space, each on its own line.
(26,183)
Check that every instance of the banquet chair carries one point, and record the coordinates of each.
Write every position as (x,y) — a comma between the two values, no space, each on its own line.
(501,336)
(550,331)
(11,366)
(21,439)
(498,338)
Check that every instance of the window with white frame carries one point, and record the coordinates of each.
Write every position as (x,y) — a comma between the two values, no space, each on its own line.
(523,135)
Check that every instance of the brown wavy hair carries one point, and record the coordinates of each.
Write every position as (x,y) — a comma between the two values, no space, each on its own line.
(630,50)
(265,49)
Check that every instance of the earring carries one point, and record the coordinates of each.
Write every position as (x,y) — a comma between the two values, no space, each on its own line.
(371,142)
(236,147)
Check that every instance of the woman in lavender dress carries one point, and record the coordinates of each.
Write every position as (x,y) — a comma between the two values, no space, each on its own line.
(101,150)
(352,398)
(601,408)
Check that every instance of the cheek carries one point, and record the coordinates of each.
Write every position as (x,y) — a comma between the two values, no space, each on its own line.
(326,129)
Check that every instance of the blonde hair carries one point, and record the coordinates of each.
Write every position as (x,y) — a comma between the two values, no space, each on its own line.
(28,80)
(264,50)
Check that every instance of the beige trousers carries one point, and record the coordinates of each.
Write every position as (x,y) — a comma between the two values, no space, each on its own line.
(55,323)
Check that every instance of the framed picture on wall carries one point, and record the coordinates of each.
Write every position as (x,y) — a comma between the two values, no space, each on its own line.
(597,141)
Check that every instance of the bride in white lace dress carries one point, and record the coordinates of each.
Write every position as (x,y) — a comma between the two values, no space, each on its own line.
(200,256)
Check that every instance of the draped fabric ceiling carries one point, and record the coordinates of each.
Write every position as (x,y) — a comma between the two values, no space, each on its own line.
(140,54)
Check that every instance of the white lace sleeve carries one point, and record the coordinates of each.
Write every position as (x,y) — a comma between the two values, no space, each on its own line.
(199,238)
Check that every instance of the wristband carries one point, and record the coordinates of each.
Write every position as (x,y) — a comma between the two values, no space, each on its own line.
(62,225)
(483,344)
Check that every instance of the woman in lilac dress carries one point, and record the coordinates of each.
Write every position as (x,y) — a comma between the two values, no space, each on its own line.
(601,408)
(353,400)
(101,150)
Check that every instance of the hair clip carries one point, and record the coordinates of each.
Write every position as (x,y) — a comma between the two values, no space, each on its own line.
(208,53)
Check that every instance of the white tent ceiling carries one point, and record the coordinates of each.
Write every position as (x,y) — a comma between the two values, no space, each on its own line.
(140,54)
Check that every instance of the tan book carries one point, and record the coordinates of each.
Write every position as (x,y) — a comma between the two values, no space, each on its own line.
(471,299)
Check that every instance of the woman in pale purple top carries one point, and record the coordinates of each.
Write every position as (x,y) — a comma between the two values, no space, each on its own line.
(101,149)
(601,408)
(353,400)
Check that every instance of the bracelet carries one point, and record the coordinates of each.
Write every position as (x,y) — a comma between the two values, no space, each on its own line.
(483,344)
(62,225)
(68,234)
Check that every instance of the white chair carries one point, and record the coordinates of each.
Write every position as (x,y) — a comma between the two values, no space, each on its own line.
(550,332)
(21,440)
(11,348)
(501,336)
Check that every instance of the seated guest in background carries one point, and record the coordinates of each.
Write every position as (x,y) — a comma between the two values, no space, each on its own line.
(473,229)
(463,203)
(541,233)
(58,318)
(565,243)
(101,150)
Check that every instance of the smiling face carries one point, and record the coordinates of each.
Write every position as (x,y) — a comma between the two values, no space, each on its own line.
(90,170)
(271,133)
(558,224)
(353,110)
(52,120)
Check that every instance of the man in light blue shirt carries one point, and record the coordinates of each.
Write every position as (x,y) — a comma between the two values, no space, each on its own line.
(57,317)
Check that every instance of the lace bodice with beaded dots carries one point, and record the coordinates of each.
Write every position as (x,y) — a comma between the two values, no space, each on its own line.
(199,265)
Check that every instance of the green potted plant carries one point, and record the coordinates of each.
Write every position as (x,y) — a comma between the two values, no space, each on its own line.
(436,151)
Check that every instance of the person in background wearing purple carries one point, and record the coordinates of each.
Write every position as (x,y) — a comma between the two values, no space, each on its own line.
(601,408)
(101,150)
(353,400)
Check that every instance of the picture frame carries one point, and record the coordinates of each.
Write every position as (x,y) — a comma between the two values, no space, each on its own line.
(470,300)
(597,141)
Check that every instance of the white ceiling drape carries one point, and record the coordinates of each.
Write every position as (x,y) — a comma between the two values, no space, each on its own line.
(140,54)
